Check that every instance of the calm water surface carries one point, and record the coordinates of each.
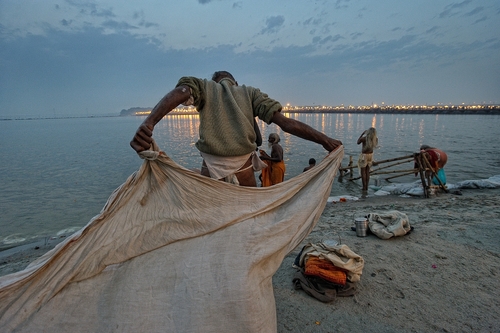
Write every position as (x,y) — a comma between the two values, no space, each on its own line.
(56,174)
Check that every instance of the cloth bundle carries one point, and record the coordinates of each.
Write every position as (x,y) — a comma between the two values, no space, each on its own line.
(326,270)
(340,256)
(390,224)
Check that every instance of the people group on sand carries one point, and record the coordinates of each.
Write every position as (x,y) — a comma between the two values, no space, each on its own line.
(369,141)
(227,138)
(228,133)
(275,171)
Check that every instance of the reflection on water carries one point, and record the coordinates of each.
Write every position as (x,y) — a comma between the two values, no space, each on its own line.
(58,173)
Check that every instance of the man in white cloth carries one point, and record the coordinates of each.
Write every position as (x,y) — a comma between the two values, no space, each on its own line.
(226,134)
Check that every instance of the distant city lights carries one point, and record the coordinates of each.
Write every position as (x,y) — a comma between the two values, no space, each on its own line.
(374,108)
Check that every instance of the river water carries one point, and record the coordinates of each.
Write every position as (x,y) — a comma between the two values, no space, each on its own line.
(56,174)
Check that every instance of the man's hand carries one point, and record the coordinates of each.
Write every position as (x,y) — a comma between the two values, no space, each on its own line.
(263,155)
(142,138)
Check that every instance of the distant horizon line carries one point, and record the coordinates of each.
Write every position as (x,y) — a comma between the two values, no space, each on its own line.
(385,109)
(463,108)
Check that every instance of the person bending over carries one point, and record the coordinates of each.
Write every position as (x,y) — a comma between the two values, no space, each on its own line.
(437,159)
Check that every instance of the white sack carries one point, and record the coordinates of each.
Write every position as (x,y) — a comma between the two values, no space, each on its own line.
(389,224)
(171,251)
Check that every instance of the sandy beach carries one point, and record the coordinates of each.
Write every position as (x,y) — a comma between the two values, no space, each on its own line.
(442,277)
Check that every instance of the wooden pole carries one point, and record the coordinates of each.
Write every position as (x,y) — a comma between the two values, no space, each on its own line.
(391,165)
(350,166)
(404,174)
(376,171)
(394,171)
(418,159)
(395,159)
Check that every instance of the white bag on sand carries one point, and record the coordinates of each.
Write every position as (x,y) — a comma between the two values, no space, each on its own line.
(171,251)
(390,224)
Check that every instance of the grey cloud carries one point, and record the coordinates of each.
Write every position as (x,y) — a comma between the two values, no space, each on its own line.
(432,30)
(102,13)
(328,39)
(484,18)
(474,11)
(142,21)
(449,10)
(460,4)
(356,35)
(73,71)
(325,29)
(312,21)
(445,13)
(273,24)
(91,9)
(118,25)
(340,4)
(66,22)
(411,50)
(148,24)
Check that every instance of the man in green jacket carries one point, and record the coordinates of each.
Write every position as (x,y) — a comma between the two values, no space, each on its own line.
(226,133)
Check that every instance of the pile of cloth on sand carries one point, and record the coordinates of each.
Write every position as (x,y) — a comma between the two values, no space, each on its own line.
(327,271)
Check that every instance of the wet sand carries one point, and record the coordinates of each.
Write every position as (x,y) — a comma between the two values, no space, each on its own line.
(442,277)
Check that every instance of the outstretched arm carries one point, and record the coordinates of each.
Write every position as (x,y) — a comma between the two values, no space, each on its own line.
(304,131)
(143,136)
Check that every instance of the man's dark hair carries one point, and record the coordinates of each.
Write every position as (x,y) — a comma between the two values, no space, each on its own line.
(222,74)
(312,161)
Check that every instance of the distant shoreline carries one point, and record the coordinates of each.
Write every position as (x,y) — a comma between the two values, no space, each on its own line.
(61,117)
(487,110)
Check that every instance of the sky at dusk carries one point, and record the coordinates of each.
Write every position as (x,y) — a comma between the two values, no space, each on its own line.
(98,57)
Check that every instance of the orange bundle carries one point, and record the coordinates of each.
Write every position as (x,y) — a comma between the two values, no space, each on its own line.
(326,270)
